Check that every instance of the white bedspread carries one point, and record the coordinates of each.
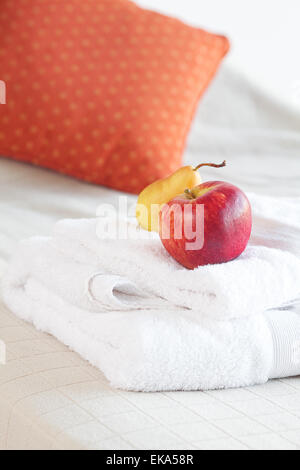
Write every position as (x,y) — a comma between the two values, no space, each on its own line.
(49,397)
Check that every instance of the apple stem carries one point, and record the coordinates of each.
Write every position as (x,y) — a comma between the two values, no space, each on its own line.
(189,193)
(210,164)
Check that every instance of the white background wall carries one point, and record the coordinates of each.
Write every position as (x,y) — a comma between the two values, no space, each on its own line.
(265,36)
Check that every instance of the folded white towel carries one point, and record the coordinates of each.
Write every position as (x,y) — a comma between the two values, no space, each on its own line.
(158,328)
(263,277)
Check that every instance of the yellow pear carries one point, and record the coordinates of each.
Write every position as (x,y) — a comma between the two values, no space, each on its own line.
(154,196)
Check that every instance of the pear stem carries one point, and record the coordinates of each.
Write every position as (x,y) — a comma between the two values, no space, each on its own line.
(210,164)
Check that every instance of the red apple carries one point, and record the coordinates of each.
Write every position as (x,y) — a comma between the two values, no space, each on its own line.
(208,224)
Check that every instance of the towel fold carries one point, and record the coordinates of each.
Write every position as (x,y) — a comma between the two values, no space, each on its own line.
(149,324)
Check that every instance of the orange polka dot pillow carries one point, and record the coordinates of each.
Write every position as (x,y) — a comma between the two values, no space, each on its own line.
(100,89)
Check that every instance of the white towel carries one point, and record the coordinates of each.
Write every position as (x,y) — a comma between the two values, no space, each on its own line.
(152,333)
(268,269)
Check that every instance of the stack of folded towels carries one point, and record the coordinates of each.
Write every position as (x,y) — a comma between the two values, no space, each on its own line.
(128,308)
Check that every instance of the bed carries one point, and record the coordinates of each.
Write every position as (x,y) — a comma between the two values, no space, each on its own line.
(50,398)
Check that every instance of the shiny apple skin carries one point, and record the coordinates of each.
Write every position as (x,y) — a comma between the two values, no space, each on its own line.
(227,225)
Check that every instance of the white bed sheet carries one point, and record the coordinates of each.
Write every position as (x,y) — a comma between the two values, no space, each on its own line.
(51,399)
